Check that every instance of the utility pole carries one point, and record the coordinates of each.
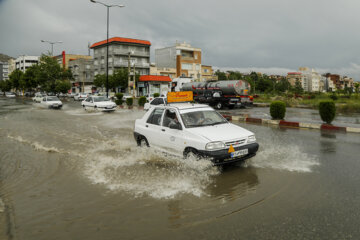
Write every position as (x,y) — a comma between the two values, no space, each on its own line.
(134,88)
(129,72)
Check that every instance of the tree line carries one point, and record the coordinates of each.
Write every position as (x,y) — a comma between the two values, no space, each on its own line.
(262,83)
(119,79)
(47,76)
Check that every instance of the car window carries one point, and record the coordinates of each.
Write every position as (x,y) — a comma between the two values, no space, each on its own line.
(155,116)
(170,116)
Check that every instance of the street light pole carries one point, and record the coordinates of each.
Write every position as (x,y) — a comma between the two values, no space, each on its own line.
(107,41)
(52,45)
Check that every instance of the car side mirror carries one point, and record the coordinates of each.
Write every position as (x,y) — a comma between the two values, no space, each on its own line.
(175,126)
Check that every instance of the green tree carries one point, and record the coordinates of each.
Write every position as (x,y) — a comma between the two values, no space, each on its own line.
(221,75)
(234,75)
(121,78)
(298,88)
(29,80)
(99,80)
(357,85)
(49,72)
(15,78)
(62,86)
(283,85)
(5,86)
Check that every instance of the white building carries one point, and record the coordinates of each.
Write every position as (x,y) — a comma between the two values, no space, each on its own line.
(24,62)
(310,79)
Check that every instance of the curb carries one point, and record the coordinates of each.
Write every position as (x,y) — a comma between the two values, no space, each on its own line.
(288,124)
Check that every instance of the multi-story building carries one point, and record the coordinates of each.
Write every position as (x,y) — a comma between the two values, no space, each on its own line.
(83,73)
(122,51)
(185,58)
(346,82)
(310,79)
(292,77)
(328,84)
(4,70)
(207,73)
(170,72)
(64,58)
(24,62)
(12,65)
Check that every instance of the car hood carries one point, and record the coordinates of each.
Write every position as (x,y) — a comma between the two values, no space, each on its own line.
(221,132)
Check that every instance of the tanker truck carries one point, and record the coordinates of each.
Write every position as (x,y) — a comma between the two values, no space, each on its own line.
(221,94)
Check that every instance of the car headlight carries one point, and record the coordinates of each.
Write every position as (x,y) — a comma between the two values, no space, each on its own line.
(251,139)
(215,145)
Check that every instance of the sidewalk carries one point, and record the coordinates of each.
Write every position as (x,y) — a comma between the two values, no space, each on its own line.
(291,124)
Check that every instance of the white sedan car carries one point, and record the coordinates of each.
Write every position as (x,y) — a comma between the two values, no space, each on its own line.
(51,102)
(185,129)
(10,94)
(38,97)
(81,96)
(101,103)
(155,102)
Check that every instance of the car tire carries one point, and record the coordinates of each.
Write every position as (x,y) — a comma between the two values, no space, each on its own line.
(142,142)
(218,105)
(191,153)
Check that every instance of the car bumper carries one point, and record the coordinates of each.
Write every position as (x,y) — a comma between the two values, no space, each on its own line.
(221,157)
(55,106)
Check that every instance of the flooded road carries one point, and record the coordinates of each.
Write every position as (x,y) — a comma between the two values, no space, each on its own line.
(70,174)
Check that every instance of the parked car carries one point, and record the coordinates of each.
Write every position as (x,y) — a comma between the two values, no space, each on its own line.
(194,131)
(10,94)
(80,96)
(38,97)
(100,103)
(71,95)
(155,102)
(126,96)
(51,102)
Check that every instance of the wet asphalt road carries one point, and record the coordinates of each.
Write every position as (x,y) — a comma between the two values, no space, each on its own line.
(69,174)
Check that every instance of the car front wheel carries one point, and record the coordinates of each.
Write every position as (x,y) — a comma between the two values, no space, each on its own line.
(191,154)
(142,142)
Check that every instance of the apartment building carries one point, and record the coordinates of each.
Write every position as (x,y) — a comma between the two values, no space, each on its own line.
(183,57)
(122,51)
(24,62)
(292,77)
(65,58)
(83,73)
(162,71)
(4,70)
(207,73)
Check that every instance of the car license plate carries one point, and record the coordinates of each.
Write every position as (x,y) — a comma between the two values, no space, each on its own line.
(240,153)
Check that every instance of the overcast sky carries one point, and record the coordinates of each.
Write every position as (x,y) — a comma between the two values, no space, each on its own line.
(271,36)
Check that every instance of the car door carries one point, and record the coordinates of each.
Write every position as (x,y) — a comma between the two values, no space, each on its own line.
(173,139)
(152,130)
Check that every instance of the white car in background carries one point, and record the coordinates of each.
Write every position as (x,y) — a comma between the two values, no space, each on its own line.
(100,103)
(38,97)
(81,96)
(51,102)
(159,101)
(10,94)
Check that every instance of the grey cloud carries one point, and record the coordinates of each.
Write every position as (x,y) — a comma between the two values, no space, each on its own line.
(231,33)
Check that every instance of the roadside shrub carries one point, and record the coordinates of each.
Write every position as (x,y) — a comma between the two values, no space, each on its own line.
(142,101)
(119,98)
(129,101)
(277,110)
(156,95)
(334,97)
(327,111)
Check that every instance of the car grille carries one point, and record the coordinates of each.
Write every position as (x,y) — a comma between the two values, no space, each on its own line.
(235,143)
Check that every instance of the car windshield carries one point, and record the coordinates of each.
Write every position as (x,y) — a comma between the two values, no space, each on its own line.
(100,99)
(52,99)
(202,118)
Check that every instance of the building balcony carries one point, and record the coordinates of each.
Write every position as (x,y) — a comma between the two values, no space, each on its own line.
(137,65)
(126,53)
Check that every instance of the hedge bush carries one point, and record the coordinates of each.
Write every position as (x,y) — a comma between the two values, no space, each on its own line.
(327,111)
(277,110)
(156,95)
(334,97)
(129,101)
(119,98)
(142,101)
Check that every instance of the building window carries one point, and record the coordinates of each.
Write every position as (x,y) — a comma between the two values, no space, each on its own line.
(195,55)
(197,67)
(186,66)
